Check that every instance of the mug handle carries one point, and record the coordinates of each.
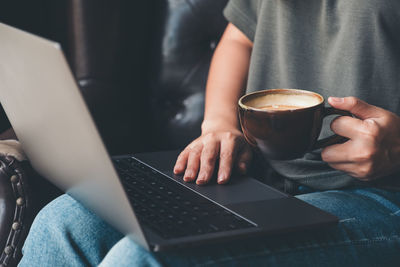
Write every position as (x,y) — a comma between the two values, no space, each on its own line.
(333,139)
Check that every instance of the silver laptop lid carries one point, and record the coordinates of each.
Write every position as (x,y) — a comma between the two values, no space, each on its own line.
(47,111)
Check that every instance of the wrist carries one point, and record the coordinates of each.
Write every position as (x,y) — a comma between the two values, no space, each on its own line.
(219,125)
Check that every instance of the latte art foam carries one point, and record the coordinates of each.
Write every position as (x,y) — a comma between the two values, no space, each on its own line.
(283,100)
(280,107)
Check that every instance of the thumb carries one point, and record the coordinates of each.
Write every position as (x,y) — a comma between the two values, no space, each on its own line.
(356,107)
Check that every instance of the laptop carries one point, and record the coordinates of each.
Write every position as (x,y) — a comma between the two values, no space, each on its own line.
(137,194)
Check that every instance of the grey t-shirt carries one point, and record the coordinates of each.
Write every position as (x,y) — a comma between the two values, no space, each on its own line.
(333,47)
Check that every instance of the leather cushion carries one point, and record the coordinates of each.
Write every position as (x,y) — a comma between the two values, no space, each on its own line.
(188,32)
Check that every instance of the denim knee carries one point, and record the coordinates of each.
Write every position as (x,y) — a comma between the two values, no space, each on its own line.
(52,218)
(128,253)
(71,233)
(58,215)
(66,217)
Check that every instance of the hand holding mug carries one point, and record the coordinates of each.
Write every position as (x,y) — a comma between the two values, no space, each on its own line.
(373,148)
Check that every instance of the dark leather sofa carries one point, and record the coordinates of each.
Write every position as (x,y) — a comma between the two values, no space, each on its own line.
(141,67)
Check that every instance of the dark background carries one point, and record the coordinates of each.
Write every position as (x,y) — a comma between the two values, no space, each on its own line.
(141,65)
(108,63)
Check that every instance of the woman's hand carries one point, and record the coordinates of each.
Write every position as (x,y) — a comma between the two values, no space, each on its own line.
(199,159)
(221,144)
(373,148)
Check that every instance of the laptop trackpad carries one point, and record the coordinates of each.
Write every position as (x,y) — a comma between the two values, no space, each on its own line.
(282,213)
(238,190)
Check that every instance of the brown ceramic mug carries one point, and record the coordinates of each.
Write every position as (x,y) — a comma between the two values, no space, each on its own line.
(285,123)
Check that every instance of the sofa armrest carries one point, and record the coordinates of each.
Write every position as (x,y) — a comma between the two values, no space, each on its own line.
(16,209)
(22,194)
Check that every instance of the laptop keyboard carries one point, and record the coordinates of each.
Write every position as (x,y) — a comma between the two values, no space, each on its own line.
(169,208)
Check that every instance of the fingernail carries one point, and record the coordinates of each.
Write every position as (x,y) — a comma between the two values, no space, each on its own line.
(200,181)
(221,178)
(370,121)
(179,168)
(200,178)
(188,176)
(337,99)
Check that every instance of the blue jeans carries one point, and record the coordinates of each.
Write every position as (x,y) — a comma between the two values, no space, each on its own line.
(66,234)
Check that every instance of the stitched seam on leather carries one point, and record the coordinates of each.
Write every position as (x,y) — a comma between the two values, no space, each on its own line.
(19,212)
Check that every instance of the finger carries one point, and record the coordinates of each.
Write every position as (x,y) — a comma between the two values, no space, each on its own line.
(339,153)
(193,164)
(360,171)
(227,157)
(347,126)
(181,161)
(207,162)
(244,158)
(356,106)
(349,168)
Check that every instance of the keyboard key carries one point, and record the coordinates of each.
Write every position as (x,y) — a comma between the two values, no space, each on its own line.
(170,209)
